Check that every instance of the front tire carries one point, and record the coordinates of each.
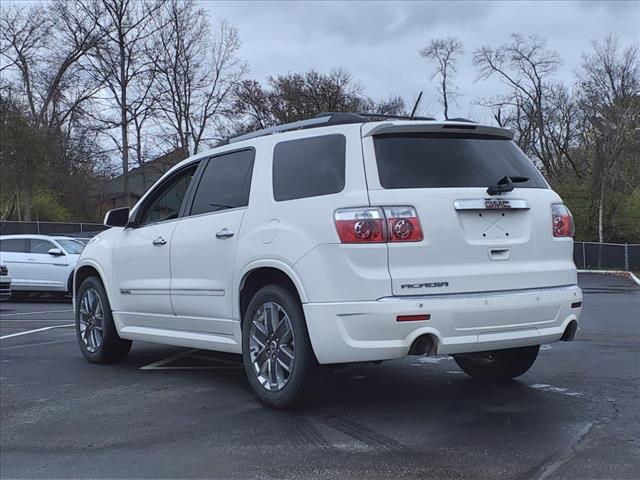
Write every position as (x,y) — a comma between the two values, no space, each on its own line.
(95,330)
(276,351)
(499,364)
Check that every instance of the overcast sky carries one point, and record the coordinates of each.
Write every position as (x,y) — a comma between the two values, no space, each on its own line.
(378,42)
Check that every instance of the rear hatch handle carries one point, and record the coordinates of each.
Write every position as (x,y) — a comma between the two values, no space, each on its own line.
(505,184)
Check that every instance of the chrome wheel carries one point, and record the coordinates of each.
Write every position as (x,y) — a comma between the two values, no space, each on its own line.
(272,346)
(91,320)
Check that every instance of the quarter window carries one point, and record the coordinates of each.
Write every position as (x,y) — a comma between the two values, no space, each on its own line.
(225,183)
(14,245)
(309,167)
(166,203)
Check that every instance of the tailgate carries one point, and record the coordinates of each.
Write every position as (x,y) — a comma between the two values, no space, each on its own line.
(472,241)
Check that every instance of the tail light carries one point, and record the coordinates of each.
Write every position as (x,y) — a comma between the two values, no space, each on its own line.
(403,224)
(360,225)
(378,225)
(562,219)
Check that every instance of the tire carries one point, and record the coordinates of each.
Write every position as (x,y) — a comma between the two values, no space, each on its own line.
(271,382)
(95,331)
(499,364)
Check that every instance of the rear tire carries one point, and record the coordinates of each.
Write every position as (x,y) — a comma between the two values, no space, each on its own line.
(499,364)
(278,359)
(95,330)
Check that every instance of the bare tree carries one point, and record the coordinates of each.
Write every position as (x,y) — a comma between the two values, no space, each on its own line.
(444,53)
(610,101)
(46,48)
(299,96)
(120,62)
(524,65)
(197,70)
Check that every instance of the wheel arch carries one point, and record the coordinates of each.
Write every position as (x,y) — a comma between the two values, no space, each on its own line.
(264,274)
(82,272)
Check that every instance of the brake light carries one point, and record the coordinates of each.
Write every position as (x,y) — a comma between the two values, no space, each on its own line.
(378,225)
(562,219)
(360,225)
(403,224)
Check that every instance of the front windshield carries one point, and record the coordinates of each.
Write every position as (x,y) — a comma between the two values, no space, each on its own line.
(72,247)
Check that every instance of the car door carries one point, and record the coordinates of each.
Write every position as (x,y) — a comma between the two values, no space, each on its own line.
(13,253)
(141,268)
(204,245)
(44,270)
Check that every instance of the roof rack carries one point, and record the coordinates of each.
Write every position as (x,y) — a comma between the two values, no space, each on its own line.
(322,120)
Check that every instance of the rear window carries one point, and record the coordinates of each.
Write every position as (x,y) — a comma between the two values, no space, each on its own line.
(14,245)
(436,160)
(309,167)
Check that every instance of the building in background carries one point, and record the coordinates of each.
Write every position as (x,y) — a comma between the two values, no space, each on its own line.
(140,180)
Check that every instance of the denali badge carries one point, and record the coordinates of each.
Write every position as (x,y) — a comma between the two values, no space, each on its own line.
(493,204)
(425,285)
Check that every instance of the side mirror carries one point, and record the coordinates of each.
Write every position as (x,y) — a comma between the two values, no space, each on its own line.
(118,217)
(56,252)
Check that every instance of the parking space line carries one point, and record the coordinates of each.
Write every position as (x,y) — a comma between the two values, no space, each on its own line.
(36,330)
(34,313)
(159,363)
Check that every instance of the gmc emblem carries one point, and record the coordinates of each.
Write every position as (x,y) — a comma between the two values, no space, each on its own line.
(493,204)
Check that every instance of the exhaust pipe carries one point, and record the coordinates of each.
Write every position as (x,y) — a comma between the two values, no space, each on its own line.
(570,332)
(423,345)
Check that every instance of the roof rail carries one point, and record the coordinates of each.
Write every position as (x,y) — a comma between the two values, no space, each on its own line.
(321,120)
(285,127)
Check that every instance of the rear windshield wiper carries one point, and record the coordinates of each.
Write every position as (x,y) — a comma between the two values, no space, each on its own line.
(505,184)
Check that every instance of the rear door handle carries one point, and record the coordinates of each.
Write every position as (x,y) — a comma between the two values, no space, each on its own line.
(224,233)
(158,242)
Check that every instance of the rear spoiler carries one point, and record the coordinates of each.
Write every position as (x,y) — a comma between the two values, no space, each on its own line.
(369,130)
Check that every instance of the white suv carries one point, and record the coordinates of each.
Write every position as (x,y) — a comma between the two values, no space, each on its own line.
(40,262)
(339,239)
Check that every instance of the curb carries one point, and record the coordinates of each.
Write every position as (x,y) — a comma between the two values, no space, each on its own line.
(615,272)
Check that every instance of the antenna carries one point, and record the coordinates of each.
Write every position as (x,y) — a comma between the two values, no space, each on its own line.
(415,107)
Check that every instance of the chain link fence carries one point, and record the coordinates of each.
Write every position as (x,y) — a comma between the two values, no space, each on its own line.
(587,255)
(51,228)
(607,256)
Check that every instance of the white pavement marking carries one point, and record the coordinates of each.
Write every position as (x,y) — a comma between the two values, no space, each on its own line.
(159,363)
(2,315)
(36,330)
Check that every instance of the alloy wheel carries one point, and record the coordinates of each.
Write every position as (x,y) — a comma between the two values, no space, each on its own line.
(272,346)
(91,320)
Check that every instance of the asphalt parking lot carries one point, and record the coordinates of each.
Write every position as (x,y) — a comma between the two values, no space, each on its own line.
(173,412)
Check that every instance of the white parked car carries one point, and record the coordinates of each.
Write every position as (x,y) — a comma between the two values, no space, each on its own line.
(40,262)
(334,240)
(5,282)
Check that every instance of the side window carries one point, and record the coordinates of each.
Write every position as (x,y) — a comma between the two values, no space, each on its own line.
(225,183)
(14,245)
(166,202)
(309,167)
(41,246)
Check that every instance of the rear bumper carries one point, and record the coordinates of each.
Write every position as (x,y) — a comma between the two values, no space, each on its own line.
(365,331)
